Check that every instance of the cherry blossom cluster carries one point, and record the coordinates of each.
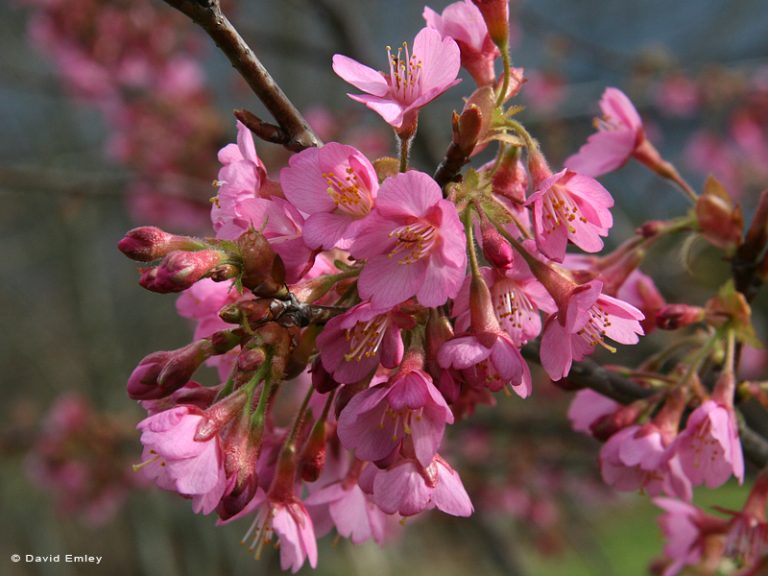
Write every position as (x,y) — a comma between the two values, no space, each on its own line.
(355,308)
(135,62)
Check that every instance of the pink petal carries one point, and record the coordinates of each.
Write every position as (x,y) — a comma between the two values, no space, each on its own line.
(360,76)
(387,282)
(324,229)
(440,58)
(461,353)
(412,193)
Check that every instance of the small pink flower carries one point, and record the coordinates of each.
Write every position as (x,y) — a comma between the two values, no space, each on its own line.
(636,458)
(352,512)
(414,243)
(686,529)
(569,206)
(489,359)
(463,22)
(176,461)
(517,298)
(709,447)
(240,178)
(582,323)
(587,407)
(336,185)
(376,420)
(407,488)
(354,343)
(620,132)
(292,524)
(415,79)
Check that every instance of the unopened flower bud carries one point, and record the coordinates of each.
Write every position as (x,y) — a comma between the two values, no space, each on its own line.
(179,270)
(263,271)
(160,373)
(674,316)
(149,243)
(322,381)
(251,359)
(719,220)
(312,459)
(496,249)
(496,16)
(511,178)
(467,128)
(608,425)
(220,414)
(482,315)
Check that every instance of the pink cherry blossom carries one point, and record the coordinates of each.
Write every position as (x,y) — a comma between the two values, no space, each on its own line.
(620,131)
(407,488)
(582,323)
(709,447)
(376,420)
(354,343)
(336,185)
(290,521)
(415,78)
(488,359)
(686,529)
(517,298)
(414,243)
(636,458)
(241,176)
(569,206)
(176,461)
(587,407)
(463,22)
(352,512)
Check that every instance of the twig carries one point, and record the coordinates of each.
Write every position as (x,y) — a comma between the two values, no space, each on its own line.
(450,166)
(208,15)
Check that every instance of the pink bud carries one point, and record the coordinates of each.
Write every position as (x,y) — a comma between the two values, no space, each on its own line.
(482,315)
(179,270)
(511,179)
(496,16)
(160,373)
(674,316)
(496,249)
(149,243)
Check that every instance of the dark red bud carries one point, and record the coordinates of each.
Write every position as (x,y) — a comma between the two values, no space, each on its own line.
(496,16)
(497,251)
(149,243)
(674,316)
(312,459)
(321,380)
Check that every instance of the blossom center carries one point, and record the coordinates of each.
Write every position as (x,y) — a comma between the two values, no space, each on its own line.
(413,241)
(348,192)
(404,73)
(365,338)
(513,305)
(595,330)
(560,209)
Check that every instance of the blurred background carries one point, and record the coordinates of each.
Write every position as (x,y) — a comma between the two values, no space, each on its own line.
(94,143)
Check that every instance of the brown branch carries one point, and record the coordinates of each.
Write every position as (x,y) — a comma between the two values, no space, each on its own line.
(587,374)
(450,166)
(208,15)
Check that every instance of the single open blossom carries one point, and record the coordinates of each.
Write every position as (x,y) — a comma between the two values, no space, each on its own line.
(687,530)
(584,322)
(636,458)
(241,177)
(336,186)
(569,206)
(619,133)
(415,78)
(709,447)
(463,22)
(354,343)
(289,521)
(352,512)
(407,488)
(176,461)
(414,243)
(376,420)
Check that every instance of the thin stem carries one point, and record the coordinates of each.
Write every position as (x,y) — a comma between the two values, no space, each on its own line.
(530,143)
(405,147)
(696,363)
(505,82)
(474,266)
(210,17)
(290,442)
